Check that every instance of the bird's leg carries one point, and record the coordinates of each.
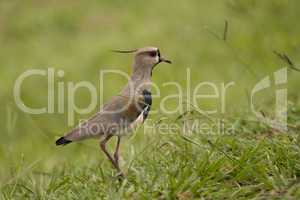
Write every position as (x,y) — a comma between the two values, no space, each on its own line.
(116,154)
(103,148)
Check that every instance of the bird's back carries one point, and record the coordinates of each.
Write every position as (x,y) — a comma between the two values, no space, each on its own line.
(114,118)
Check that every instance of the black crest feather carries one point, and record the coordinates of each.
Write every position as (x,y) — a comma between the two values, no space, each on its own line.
(124,51)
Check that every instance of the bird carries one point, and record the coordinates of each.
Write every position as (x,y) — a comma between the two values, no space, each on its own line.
(124,111)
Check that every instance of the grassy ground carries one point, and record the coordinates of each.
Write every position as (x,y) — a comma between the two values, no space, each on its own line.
(253,162)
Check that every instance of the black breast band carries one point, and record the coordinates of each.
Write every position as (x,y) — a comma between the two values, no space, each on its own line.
(147,103)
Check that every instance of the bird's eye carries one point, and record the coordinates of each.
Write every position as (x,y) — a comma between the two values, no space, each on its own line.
(153,53)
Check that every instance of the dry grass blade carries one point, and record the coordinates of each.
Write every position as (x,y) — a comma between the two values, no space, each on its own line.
(225,31)
(287,60)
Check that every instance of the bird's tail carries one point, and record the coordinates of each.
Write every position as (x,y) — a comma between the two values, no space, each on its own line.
(62,141)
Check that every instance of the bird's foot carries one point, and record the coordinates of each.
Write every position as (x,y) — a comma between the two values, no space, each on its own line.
(120,175)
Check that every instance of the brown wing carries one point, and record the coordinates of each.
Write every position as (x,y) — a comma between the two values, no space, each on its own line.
(115,116)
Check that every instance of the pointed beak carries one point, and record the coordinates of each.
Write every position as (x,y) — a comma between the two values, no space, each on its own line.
(162,59)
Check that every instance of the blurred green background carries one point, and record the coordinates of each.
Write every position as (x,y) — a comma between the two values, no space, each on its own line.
(76,37)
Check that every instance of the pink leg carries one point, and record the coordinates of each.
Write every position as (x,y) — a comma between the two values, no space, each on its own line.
(116,154)
(103,148)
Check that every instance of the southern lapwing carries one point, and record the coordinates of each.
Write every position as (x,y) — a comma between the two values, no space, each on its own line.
(124,111)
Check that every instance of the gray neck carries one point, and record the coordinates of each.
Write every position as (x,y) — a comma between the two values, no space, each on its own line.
(140,79)
(141,74)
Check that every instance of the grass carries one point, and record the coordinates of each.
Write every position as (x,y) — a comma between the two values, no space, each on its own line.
(253,162)
(256,162)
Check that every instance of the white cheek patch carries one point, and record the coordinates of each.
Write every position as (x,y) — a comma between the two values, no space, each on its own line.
(156,59)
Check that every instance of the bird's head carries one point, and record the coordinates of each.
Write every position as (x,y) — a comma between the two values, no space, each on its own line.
(146,58)
(149,57)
